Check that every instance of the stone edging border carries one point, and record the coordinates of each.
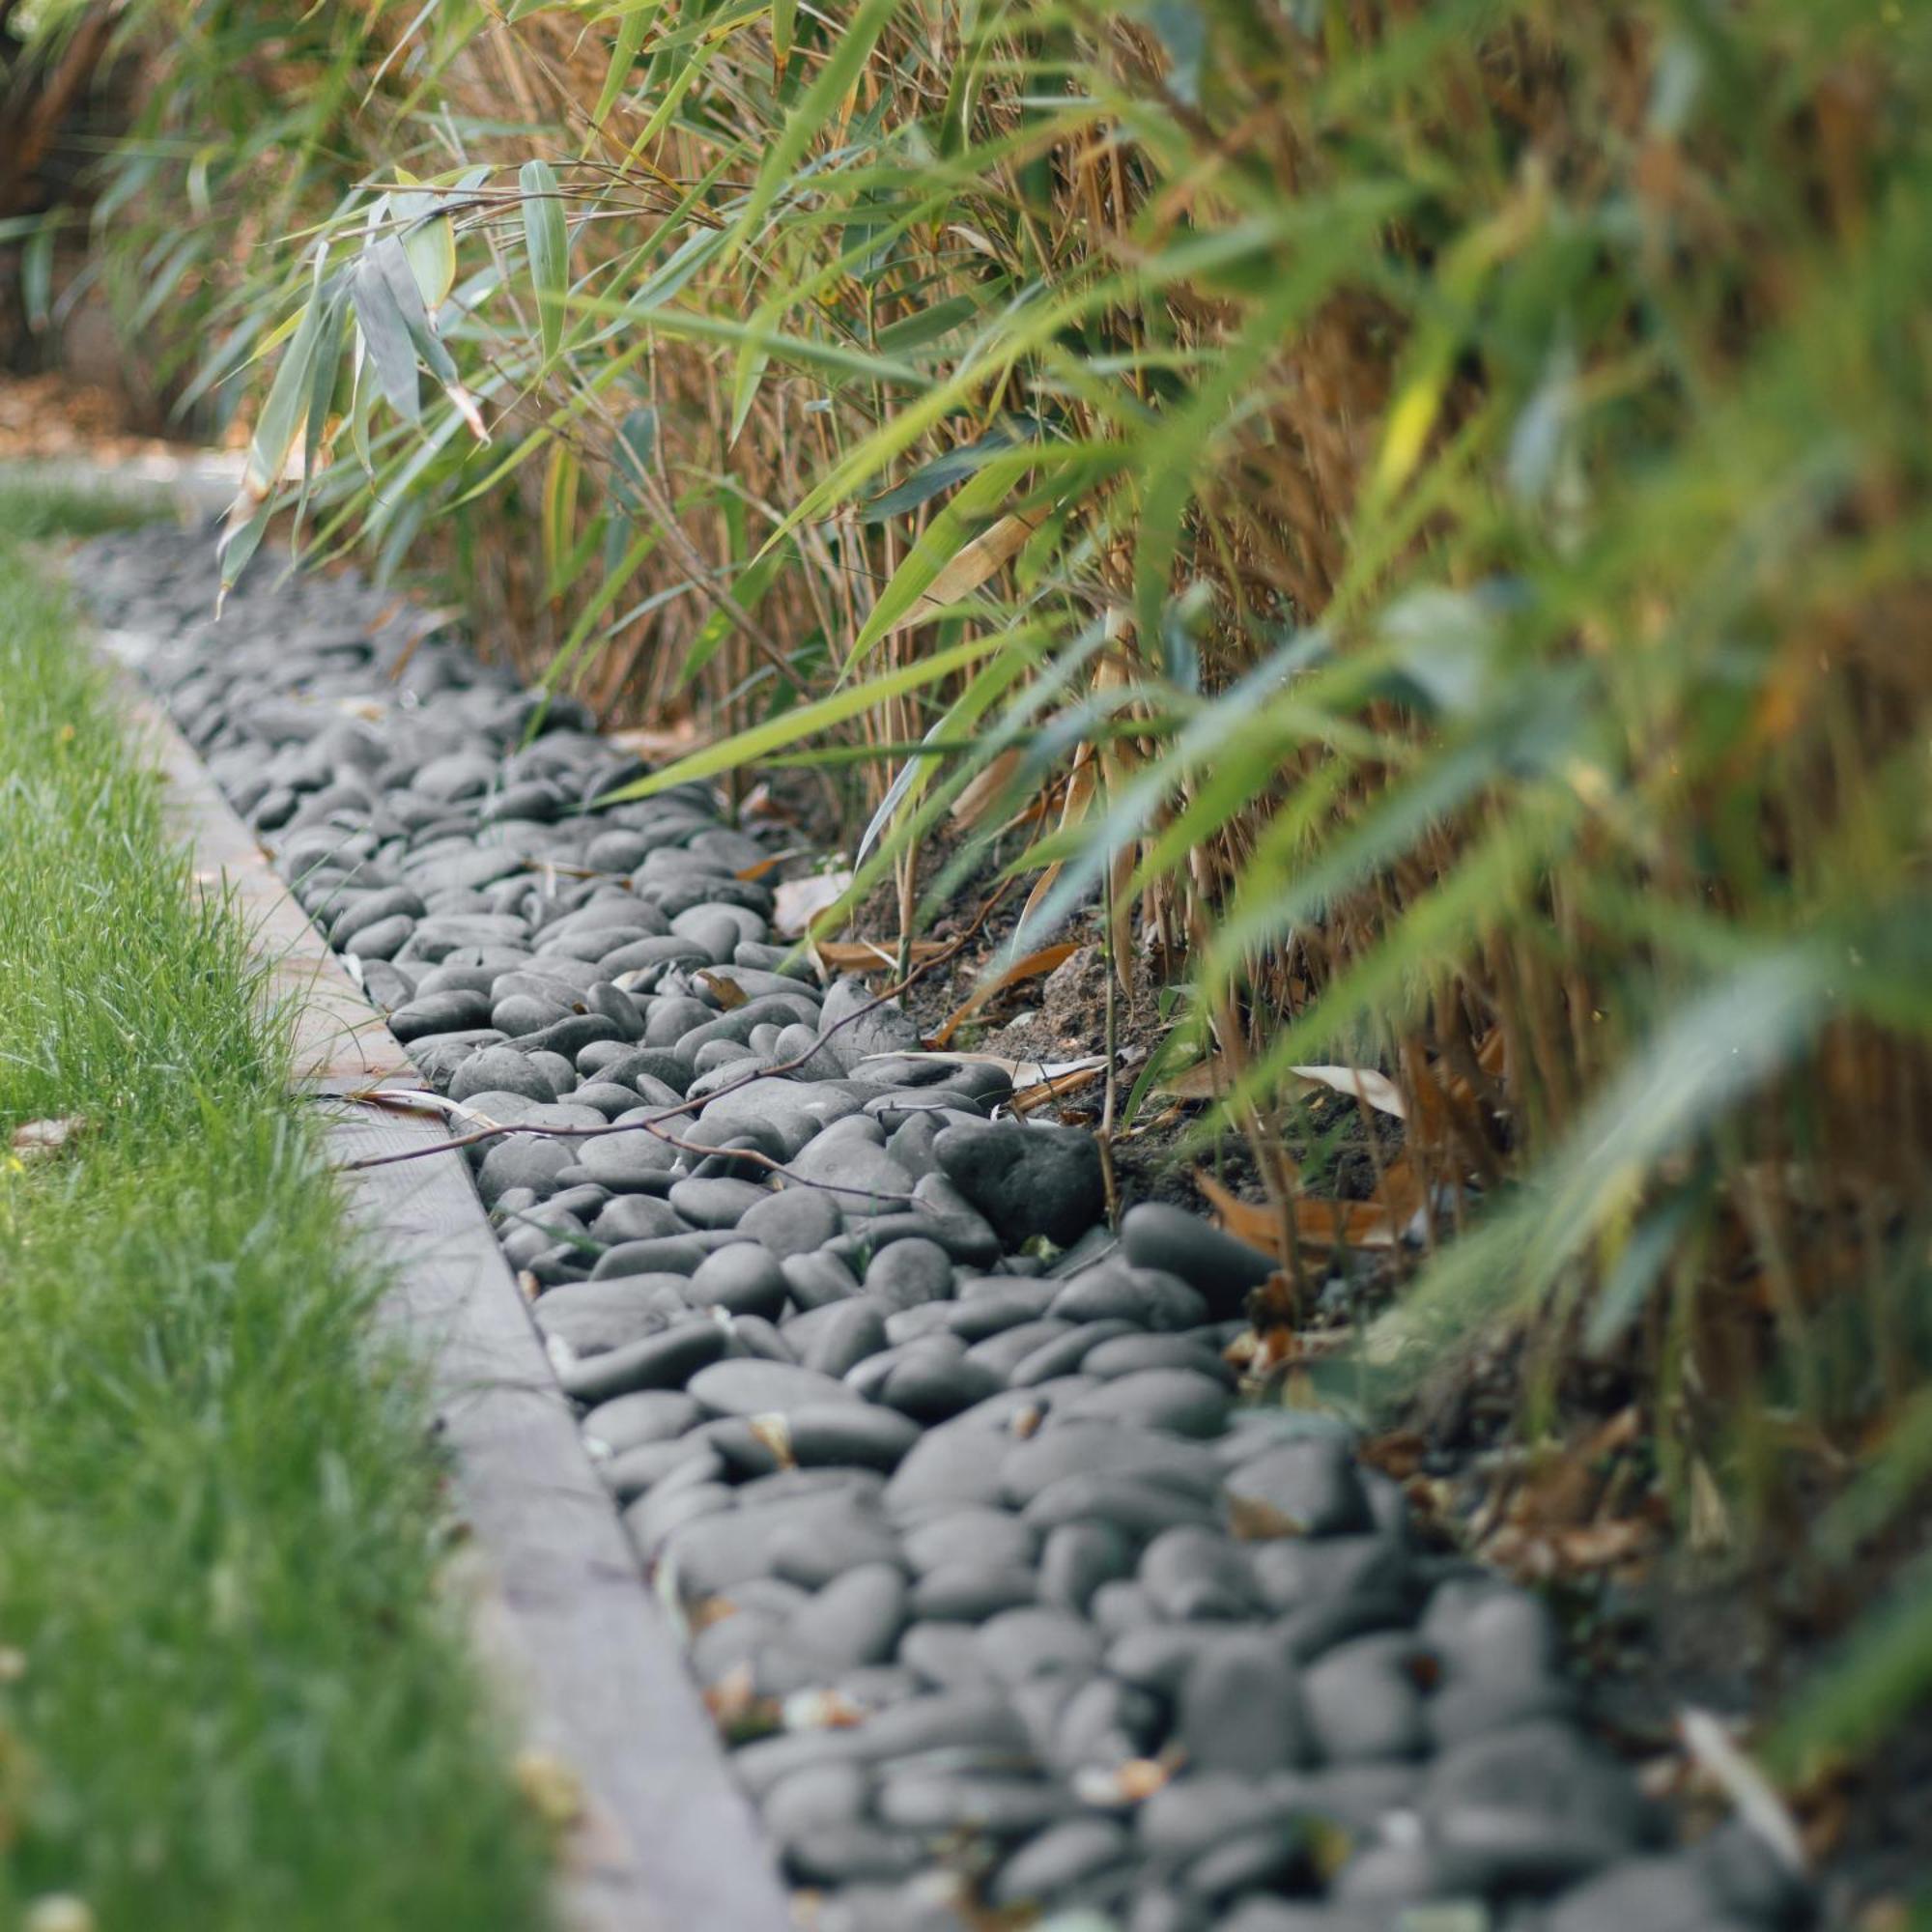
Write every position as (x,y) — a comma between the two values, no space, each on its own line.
(597,1680)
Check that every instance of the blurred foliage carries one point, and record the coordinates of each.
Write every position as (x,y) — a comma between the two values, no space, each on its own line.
(1421,509)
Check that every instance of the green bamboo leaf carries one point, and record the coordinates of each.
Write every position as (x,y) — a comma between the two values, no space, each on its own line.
(281,421)
(547,242)
(747,747)
(815,112)
(941,542)
(624,50)
(380,317)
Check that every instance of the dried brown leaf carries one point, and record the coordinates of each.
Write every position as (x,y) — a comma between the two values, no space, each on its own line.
(42,1140)
(872,956)
(727,991)
(989,551)
(797,902)
(1046,960)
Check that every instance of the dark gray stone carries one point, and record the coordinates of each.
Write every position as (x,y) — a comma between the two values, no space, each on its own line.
(1117,1449)
(1077,1558)
(938,1804)
(1300,1489)
(1115,1291)
(817,1279)
(1242,1709)
(668,1254)
(764,1388)
(1059,1858)
(1191,1575)
(715,1203)
(1181,1401)
(1127,1353)
(1029,1642)
(850,1434)
(452,1011)
(1026,1180)
(969,1592)
(795,1222)
(647,1416)
(856,1619)
(842,1334)
(1363,1701)
(907,1273)
(932,1387)
(743,1279)
(953,1463)
(1223,1269)
(628,1163)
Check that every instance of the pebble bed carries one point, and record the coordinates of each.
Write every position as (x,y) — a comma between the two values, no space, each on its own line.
(1005,1601)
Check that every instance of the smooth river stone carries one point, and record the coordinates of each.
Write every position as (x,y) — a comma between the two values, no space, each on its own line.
(1221,1269)
(628,1163)
(1115,1291)
(1180,1401)
(667,1360)
(1026,1180)
(743,1279)
(796,1222)
(645,1415)
(765,1388)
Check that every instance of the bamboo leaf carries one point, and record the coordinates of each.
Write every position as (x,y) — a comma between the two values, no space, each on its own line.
(547,244)
(807,719)
(815,110)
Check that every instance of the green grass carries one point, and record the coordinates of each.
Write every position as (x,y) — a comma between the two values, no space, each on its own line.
(33,509)
(231,1696)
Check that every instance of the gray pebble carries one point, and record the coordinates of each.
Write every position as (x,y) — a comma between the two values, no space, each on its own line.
(764,1388)
(908,1273)
(795,1222)
(743,1279)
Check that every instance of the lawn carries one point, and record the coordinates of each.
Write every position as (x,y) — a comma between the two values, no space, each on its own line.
(232,1694)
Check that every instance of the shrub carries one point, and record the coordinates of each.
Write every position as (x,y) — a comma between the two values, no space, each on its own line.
(1425,504)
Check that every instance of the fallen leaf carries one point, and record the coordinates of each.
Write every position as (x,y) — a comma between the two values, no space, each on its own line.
(764,866)
(643,741)
(1252,1522)
(1318,1223)
(550,1788)
(797,902)
(42,1140)
(1128,1783)
(1398,1454)
(1717,1754)
(822,1711)
(1247,1220)
(730,994)
(1205,1080)
(736,1708)
(1030,1100)
(775,1434)
(1361,1083)
(872,956)
(1046,960)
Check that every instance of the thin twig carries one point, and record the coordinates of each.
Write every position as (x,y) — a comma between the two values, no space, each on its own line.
(652,1122)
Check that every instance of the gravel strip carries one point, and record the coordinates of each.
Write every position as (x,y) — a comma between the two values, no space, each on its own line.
(1001,1599)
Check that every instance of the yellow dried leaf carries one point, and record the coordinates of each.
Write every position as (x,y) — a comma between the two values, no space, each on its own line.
(550,1788)
(1046,960)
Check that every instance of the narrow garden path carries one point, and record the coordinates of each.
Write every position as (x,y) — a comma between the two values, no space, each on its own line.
(1000,1597)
